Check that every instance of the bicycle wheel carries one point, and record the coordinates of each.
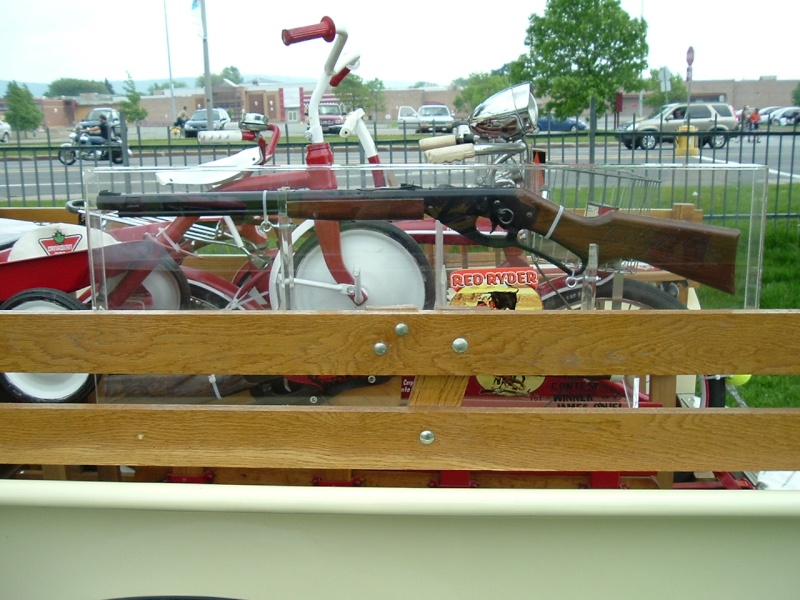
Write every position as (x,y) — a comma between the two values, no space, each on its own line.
(165,288)
(392,268)
(206,298)
(45,387)
(635,296)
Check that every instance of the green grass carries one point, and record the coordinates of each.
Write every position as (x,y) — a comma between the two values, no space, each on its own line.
(780,289)
(770,391)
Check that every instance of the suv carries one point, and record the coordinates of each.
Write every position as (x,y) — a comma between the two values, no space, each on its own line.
(199,121)
(93,118)
(331,118)
(717,119)
(433,117)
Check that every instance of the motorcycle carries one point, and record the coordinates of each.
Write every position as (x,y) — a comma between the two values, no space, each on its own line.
(80,147)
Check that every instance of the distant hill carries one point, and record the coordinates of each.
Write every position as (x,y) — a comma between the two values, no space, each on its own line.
(38,89)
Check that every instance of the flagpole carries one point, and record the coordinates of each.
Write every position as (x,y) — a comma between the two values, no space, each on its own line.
(169,66)
(209,99)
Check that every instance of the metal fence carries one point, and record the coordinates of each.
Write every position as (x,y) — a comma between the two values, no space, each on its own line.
(31,175)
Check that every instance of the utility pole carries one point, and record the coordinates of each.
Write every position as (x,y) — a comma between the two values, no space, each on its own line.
(209,99)
(169,66)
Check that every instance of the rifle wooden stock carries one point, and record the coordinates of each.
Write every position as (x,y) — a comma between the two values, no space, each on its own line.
(703,253)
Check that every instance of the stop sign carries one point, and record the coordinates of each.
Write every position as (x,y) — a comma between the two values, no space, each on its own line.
(690,56)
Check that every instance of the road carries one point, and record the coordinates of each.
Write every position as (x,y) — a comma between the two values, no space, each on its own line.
(45,182)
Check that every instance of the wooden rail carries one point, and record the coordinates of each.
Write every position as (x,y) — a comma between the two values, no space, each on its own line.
(662,343)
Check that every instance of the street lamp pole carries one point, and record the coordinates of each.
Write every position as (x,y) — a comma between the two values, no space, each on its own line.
(209,99)
(169,66)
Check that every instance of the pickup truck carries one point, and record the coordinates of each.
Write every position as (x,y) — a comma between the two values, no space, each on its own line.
(433,117)
(331,118)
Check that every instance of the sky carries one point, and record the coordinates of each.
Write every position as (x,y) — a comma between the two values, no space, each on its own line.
(407,41)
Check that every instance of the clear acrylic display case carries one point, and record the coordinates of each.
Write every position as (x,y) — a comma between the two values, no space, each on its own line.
(178,239)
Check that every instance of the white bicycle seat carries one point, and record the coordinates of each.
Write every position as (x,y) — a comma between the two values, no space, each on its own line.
(214,172)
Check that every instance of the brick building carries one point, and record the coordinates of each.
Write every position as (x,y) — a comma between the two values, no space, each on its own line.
(284,102)
(767,91)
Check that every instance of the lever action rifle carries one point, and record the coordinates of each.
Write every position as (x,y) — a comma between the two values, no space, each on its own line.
(703,253)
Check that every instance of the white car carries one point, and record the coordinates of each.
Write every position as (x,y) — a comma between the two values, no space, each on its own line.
(5,131)
(407,117)
(765,114)
(778,117)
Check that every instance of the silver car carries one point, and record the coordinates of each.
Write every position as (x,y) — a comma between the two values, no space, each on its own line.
(199,121)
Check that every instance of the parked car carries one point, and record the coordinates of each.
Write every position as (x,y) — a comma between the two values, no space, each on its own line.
(407,117)
(791,117)
(331,118)
(253,122)
(5,131)
(92,118)
(199,121)
(551,123)
(717,119)
(780,115)
(434,117)
(765,113)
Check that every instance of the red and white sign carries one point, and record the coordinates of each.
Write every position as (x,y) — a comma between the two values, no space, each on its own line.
(690,56)
(59,243)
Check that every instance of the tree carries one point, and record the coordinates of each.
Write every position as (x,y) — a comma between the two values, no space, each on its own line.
(68,86)
(21,110)
(352,92)
(796,95)
(477,88)
(582,50)
(165,86)
(232,74)
(656,98)
(377,101)
(133,111)
(216,79)
(108,85)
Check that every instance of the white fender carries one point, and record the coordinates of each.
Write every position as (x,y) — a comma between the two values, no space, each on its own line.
(213,172)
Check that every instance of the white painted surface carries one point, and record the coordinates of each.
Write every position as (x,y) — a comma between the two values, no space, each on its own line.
(79,540)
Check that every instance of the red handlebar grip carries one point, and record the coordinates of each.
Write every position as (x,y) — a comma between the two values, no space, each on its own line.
(337,79)
(325,30)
